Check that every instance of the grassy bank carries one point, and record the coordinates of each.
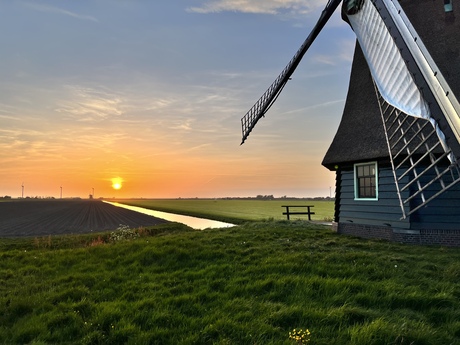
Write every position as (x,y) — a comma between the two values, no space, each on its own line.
(250,284)
(233,210)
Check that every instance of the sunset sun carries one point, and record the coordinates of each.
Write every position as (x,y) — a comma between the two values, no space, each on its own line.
(117,183)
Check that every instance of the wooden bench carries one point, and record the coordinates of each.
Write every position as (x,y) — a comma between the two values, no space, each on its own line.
(288,213)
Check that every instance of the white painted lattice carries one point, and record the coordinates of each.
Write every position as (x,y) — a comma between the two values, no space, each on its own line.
(421,167)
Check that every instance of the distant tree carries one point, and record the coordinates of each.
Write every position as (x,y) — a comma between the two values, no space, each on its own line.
(265,197)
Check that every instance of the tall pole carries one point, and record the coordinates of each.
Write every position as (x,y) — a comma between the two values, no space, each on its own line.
(61,192)
(93,192)
(22,195)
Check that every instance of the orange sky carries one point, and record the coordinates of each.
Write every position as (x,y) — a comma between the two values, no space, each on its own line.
(156,169)
(153,93)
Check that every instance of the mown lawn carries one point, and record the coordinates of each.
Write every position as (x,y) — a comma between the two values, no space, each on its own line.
(235,210)
(249,284)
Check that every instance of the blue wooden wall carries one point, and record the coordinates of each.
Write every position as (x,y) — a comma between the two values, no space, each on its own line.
(441,213)
(385,211)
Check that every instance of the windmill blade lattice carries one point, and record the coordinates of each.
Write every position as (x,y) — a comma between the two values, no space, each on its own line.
(421,167)
(265,102)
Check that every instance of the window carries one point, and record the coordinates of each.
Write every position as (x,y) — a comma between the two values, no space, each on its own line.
(366,181)
(448,6)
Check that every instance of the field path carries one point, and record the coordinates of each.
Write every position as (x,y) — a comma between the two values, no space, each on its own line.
(20,218)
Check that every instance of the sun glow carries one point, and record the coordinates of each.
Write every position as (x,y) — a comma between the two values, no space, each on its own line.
(117,183)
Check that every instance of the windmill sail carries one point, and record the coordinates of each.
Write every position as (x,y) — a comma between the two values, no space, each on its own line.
(264,103)
(387,66)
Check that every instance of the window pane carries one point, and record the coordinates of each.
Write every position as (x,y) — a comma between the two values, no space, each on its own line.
(367,182)
(366,170)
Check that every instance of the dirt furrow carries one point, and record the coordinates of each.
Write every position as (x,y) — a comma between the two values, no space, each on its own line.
(52,217)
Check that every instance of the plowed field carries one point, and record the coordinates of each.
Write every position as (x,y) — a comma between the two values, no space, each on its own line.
(56,217)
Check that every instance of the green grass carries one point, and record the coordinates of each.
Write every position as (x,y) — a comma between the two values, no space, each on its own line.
(249,284)
(235,211)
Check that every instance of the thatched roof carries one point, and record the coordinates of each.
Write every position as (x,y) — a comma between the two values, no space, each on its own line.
(360,136)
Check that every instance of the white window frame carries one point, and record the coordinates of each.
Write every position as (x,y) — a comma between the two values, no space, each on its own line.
(355,180)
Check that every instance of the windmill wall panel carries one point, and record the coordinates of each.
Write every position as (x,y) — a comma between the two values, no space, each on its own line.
(382,212)
(438,223)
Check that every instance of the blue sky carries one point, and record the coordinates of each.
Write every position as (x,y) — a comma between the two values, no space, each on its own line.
(152,92)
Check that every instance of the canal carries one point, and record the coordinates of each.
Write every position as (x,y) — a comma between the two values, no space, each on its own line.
(193,222)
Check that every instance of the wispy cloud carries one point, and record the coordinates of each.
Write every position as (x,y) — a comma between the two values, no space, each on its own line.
(343,51)
(326,59)
(53,9)
(298,7)
(87,104)
(313,107)
(347,48)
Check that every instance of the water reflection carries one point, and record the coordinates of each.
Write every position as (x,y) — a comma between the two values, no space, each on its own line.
(193,222)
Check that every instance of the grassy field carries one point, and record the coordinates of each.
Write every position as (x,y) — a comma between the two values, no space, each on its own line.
(235,211)
(250,284)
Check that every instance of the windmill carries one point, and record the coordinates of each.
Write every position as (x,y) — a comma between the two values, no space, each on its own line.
(22,189)
(397,150)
